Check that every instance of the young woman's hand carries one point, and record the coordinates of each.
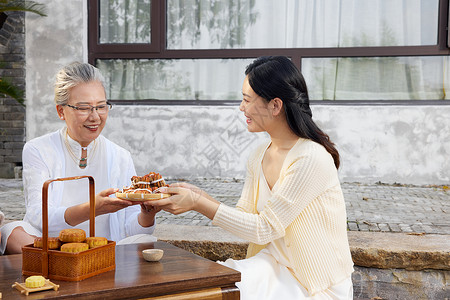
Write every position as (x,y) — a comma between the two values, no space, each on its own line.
(182,200)
(185,199)
(186,185)
(193,188)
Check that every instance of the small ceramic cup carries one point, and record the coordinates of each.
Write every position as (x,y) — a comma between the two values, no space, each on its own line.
(152,254)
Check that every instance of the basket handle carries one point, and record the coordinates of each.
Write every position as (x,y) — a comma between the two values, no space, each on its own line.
(45,215)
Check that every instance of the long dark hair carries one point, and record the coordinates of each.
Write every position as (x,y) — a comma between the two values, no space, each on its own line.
(277,77)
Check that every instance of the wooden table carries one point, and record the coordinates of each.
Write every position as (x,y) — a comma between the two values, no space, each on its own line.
(178,275)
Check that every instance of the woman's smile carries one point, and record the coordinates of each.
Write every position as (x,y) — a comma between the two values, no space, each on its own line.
(92,127)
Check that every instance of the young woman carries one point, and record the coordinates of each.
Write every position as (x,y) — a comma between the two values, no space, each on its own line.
(75,150)
(292,209)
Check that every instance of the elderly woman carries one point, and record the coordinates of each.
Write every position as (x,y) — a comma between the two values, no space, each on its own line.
(75,150)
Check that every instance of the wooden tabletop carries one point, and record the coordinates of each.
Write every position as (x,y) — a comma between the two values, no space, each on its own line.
(179,271)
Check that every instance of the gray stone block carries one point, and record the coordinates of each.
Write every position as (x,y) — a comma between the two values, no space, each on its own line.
(7,170)
(18,172)
(373,283)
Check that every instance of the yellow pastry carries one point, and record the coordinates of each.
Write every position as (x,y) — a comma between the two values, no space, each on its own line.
(73,235)
(74,247)
(35,281)
(96,241)
(53,243)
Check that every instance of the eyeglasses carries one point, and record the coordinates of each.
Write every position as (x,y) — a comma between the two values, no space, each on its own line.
(86,109)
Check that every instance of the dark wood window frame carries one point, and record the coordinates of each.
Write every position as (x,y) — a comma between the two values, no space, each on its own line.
(157,50)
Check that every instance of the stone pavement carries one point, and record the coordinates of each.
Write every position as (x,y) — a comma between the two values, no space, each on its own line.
(370,207)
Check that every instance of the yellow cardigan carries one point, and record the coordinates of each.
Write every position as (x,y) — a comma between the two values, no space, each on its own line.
(307,209)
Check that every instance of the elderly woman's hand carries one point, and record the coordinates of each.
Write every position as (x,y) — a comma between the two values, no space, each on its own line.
(105,204)
(148,212)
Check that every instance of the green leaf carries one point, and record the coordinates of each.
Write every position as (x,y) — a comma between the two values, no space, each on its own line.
(7,89)
(21,5)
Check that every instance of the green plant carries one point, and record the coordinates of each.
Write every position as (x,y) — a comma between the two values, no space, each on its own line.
(6,87)
(22,5)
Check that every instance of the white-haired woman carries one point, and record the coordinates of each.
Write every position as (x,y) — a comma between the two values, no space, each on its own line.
(75,150)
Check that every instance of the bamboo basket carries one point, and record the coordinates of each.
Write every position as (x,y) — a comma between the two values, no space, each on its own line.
(58,265)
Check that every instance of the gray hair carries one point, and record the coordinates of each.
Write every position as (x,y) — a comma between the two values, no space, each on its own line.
(72,75)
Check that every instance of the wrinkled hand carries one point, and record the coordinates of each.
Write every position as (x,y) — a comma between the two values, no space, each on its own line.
(105,204)
(183,199)
(148,212)
(148,209)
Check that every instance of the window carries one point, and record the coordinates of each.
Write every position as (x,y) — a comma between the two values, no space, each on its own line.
(377,78)
(125,22)
(196,51)
(174,79)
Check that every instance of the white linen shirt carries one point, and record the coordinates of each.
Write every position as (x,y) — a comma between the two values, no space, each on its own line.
(44,158)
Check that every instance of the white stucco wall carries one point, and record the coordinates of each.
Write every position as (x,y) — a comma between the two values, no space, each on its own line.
(403,144)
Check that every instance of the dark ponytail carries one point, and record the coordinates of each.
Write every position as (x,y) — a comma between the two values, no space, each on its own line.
(277,77)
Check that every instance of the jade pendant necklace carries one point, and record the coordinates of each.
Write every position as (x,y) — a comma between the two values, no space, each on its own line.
(82,162)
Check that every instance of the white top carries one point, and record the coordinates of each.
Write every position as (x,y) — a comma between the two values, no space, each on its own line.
(77,191)
(46,158)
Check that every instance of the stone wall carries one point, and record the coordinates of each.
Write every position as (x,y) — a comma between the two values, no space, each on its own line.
(12,114)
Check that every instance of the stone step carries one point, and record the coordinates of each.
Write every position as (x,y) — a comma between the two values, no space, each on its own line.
(369,249)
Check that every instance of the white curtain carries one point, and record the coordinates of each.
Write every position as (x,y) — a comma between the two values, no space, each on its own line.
(176,79)
(125,21)
(387,78)
(205,24)
(246,24)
